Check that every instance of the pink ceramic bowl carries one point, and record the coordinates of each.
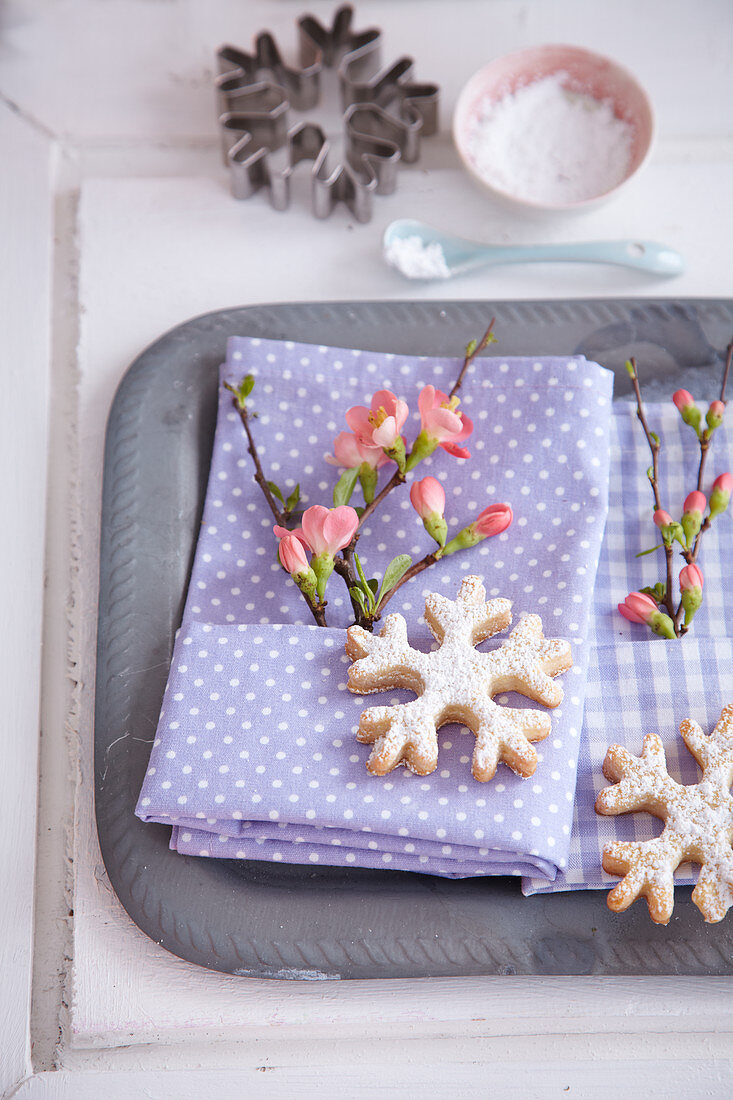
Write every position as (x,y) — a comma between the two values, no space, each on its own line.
(586,73)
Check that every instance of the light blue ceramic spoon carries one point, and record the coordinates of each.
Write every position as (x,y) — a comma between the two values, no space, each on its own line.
(421,252)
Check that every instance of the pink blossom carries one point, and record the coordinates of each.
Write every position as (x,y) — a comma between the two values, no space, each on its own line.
(349,452)
(695,502)
(327,530)
(380,425)
(683,399)
(281,532)
(441,421)
(292,554)
(494,519)
(638,607)
(428,497)
(662,518)
(691,577)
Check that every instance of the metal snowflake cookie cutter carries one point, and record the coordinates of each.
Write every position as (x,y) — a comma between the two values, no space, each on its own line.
(385,115)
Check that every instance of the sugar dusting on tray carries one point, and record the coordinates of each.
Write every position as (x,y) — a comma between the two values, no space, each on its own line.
(416,259)
(545,143)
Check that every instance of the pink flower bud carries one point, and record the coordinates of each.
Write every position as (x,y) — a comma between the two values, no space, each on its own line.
(695,502)
(493,520)
(716,409)
(638,607)
(327,530)
(683,399)
(292,554)
(720,495)
(691,577)
(688,410)
(428,497)
(662,518)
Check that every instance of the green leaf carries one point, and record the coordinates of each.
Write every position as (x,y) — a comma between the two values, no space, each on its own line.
(657,591)
(471,347)
(365,587)
(643,553)
(344,487)
(246,386)
(374,585)
(630,368)
(394,572)
(654,436)
(293,498)
(276,492)
(358,595)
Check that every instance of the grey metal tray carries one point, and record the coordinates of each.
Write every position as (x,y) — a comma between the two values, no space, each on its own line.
(270,920)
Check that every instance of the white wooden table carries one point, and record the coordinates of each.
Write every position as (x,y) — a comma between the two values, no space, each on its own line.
(117,224)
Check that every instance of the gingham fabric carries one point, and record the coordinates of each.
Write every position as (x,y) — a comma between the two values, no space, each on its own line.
(639,683)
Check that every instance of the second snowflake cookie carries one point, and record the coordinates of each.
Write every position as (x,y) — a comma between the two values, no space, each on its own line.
(455,683)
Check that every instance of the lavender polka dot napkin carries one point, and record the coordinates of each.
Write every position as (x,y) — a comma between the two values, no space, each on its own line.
(255,755)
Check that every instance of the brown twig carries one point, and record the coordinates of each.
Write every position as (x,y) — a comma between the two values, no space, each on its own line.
(726,371)
(343,564)
(317,610)
(486,339)
(259,476)
(704,447)
(705,438)
(654,447)
(396,479)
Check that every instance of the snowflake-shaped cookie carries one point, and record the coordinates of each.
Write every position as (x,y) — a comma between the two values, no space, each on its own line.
(698,822)
(455,683)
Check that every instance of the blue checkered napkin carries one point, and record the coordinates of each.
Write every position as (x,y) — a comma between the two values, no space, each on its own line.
(638,683)
(635,688)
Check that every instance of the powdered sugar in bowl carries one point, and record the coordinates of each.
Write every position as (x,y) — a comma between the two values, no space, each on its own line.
(553,128)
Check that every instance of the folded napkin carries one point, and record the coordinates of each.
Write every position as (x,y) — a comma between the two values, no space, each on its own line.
(638,683)
(255,755)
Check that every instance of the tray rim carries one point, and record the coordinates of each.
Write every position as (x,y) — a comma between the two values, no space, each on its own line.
(161,929)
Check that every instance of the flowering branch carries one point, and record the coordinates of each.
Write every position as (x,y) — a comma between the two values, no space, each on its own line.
(472,351)
(330,535)
(653,475)
(646,606)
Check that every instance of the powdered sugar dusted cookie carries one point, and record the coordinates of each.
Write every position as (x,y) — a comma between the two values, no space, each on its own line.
(698,822)
(456,684)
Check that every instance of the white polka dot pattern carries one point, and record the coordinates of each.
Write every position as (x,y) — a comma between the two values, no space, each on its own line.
(255,755)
